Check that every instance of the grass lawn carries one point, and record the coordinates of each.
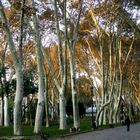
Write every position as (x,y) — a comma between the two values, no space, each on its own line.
(51,131)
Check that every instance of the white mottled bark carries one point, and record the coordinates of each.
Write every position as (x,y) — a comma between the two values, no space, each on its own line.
(62,66)
(6,112)
(19,74)
(18,102)
(39,114)
(41,83)
(71,46)
(74,92)
(46,108)
(52,104)
(62,110)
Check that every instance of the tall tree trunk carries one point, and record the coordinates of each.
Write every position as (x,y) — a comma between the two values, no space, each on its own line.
(6,111)
(74,92)
(71,45)
(62,65)
(100,119)
(19,81)
(26,110)
(46,102)
(19,74)
(1,111)
(46,110)
(62,109)
(41,83)
(5,101)
(103,96)
(60,87)
(18,102)
(1,102)
(110,114)
(52,105)
(105,113)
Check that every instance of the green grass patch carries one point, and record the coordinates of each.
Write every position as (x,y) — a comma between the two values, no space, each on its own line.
(6,131)
(85,124)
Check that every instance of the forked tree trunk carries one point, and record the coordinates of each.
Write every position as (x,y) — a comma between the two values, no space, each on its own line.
(71,45)
(62,66)
(60,88)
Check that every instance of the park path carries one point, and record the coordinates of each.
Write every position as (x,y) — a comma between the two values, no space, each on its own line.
(117,133)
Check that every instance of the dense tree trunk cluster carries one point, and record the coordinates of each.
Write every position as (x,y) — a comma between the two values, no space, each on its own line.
(56,51)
